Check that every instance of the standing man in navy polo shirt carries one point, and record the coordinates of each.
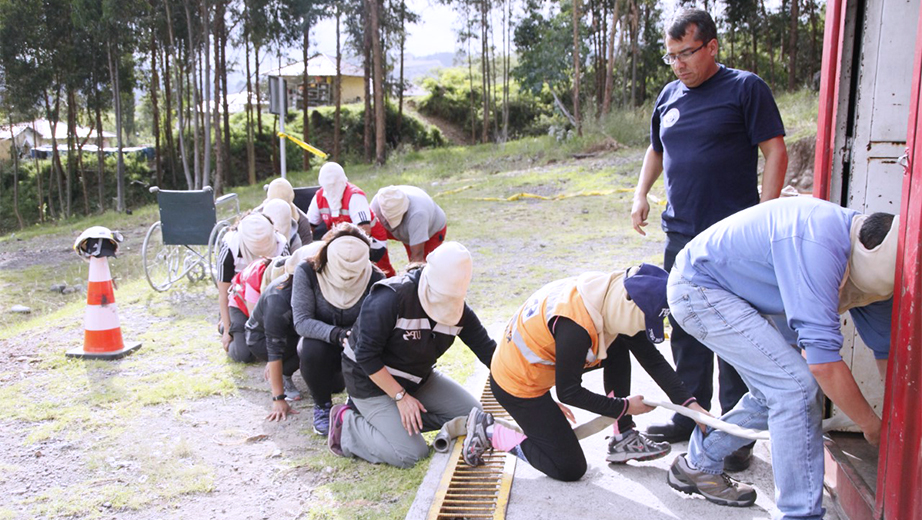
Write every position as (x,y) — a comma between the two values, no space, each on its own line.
(706,132)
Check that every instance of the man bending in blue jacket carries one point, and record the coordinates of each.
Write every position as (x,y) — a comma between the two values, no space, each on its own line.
(764,289)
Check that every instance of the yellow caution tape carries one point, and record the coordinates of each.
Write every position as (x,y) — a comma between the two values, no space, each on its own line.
(304,145)
(520,196)
(452,192)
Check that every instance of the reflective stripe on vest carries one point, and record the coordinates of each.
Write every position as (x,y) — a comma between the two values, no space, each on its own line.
(526,352)
(347,350)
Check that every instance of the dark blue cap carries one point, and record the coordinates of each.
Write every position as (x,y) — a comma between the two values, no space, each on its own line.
(647,288)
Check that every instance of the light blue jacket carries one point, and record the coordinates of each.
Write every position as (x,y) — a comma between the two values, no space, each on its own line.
(788,257)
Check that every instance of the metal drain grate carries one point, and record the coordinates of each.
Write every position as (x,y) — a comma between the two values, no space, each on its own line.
(467,492)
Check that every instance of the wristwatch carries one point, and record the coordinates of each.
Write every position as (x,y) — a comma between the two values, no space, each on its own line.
(279,397)
(400,395)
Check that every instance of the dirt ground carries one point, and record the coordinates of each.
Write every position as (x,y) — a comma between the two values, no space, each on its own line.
(175,430)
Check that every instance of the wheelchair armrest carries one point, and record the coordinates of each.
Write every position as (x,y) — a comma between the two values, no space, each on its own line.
(225,198)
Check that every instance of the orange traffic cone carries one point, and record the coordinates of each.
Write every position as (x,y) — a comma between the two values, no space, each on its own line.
(102,337)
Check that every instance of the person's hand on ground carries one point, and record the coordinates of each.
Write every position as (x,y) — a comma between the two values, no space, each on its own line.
(280,411)
(410,417)
(636,406)
(226,339)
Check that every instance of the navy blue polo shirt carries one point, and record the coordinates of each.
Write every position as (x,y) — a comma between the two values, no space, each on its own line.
(709,137)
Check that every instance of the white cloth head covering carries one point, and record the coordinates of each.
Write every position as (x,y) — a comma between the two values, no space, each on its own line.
(345,277)
(444,281)
(281,189)
(280,213)
(607,302)
(333,180)
(870,273)
(257,238)
(286,265)
(393,203)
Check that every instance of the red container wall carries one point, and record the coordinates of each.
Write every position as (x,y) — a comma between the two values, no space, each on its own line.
(899,484)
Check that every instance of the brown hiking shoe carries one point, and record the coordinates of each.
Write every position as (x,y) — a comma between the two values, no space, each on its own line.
(720,489)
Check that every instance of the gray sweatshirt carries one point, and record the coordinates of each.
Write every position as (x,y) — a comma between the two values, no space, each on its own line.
(314,317)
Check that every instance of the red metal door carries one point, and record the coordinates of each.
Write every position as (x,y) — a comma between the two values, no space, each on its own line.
(899,483)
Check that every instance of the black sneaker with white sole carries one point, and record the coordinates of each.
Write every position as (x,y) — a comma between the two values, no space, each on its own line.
(720,489)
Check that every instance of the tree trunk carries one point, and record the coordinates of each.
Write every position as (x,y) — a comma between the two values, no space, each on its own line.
(506,63)
(635,22)
(337,92)
(259,105)
(220,168)
(192,53)
(814,39)
(771,46)
(610,69)
(155,109)
(378,60)
(120,171)
(71,146)
(100,157)
(80,171)
(228,167)
(792,45)
(180,114)
(366,48)
(576,40)
(305,121)
(403,41)
(206,105)
(470,76)
(167,129)
(251,149)
(15,153)
(38,182)
(485,72)
(56,168)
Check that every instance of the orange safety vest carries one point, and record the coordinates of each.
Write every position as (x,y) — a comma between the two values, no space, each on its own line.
(525,360)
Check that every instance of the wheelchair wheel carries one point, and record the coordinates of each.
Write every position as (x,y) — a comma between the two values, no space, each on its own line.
(215,241)
(194,263)
(162,262)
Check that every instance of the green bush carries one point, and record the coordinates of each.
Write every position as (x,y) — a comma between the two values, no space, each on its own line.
(450,95)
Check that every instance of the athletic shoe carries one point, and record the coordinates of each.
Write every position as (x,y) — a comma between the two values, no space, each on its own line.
(670,431)
(334,437)
(739,460)
(635,446)
(322,419)
(291,391)
(720,489)
(476,442)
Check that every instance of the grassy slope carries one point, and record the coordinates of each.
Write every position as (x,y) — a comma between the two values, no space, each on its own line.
(517,247)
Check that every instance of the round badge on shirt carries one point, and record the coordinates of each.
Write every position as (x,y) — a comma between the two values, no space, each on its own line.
(671,117)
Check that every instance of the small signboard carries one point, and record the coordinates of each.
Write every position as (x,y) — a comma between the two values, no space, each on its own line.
(278,100)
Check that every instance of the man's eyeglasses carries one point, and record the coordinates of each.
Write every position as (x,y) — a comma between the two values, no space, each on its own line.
(683,56)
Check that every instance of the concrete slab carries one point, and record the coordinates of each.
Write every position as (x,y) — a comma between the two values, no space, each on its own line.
(636,490)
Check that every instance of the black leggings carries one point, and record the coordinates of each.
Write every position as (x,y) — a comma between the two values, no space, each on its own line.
(321,368)
(289,357)
(551,447)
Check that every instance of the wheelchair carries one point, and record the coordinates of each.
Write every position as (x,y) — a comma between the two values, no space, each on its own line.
(185,242)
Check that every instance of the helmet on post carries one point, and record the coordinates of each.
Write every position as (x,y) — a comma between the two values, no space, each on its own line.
(97,241)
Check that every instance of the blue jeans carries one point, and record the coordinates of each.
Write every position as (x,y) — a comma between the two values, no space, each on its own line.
(783,395)
(694,363)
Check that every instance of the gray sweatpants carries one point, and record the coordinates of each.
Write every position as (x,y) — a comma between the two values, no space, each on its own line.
(377,435)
